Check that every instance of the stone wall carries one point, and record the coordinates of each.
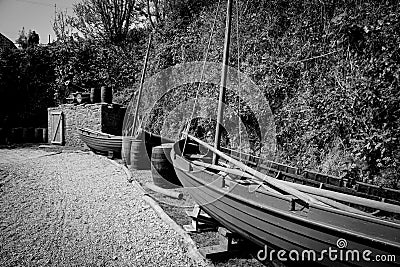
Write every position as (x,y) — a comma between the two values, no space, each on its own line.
(107,118)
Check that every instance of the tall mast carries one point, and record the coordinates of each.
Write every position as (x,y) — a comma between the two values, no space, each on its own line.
(224,74)
(135,118)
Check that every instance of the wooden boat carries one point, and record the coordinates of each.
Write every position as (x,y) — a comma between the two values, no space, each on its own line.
(101,142)
(315,179)
(104,143)
(300,222)
(267,215)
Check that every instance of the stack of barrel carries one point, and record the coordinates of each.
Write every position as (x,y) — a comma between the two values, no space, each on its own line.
(134,153)
(23,135)
(103,95)
(162,169)
(137,152)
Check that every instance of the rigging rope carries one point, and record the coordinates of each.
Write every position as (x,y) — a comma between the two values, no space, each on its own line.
(239,76)
(186,131)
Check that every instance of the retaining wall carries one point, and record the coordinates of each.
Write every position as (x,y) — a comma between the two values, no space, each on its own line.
(107,118)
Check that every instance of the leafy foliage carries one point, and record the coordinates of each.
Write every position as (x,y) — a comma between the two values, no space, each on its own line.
(330,70)
(105,19)
(26,78)
(88,64)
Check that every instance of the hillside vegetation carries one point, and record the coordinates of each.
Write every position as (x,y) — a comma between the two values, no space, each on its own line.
(329,69)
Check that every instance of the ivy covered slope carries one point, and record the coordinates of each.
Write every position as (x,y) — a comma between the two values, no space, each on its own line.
(330,70)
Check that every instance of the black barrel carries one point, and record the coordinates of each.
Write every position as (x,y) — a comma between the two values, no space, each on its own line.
(95,95)
(139,158)
(162,170)
(28,134)
(16,135)
(106,94)
(126,149)
(40,135)
(2,135)
(45,135)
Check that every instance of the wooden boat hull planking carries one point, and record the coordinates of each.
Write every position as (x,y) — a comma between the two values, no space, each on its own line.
(101,143)
(314,228)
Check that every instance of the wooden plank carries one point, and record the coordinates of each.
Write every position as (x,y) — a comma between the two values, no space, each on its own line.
(167,192)
(59,131)
(333,183)
(269,180)
(213,252)
(197,227)
(56,130)
(324,196)
(226,247)
(347,198)
(201,221)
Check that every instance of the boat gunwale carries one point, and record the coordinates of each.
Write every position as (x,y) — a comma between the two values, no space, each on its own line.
(93,133)
(298,217)
(91,137)
(287,197)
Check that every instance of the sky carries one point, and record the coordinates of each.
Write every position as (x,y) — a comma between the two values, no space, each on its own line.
(35,15)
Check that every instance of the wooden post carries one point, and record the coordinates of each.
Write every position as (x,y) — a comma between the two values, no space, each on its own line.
(224,74)
(141,84)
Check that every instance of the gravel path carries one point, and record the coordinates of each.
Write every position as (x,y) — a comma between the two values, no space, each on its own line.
(77,209)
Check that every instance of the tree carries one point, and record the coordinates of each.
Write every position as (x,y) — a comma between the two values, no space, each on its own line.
(27,41)
(108,19)
(33,38)
(22,39)
(62,25)
(159,11)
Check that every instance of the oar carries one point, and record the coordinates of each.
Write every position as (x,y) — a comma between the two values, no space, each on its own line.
(324,200)
(346,198)
(269,180)
(326,196)
(224,169)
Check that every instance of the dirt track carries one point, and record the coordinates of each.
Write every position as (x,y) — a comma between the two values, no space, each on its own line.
(77,209)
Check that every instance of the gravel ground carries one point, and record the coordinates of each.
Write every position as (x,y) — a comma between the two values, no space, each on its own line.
(77,209)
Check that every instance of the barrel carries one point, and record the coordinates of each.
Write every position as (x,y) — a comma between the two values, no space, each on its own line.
(95,95)
(40,135)
(16,135)
(139,158)
(126,150)
(28,134)
(2,135)
(106,94)
(162,169)
(82,98)
(45,135)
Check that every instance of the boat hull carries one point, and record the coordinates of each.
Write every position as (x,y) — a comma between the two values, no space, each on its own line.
(269,220)
(104,143)
(101,142)
(315,179)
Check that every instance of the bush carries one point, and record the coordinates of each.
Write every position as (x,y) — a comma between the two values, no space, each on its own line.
(26,78)
(330,70)
(89,63)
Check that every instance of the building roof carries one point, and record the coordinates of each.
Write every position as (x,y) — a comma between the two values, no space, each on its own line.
(6,43)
